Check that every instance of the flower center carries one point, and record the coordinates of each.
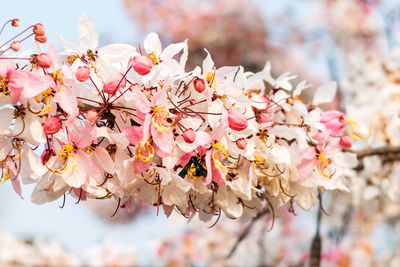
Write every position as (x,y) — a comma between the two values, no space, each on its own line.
(152,56)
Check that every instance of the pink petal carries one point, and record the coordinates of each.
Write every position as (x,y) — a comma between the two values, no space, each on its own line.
(133,134)
(164,141)
(86,164)
(103,160)
(168,209)
(66,98)
(140,166)
(82,137)
(140,100)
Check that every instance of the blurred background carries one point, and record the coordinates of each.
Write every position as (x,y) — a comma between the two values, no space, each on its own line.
(319,40)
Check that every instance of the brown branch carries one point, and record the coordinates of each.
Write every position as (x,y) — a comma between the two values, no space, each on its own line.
(380,151)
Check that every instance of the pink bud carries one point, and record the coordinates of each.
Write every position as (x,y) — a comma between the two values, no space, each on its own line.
(82,74)
(331,115)
(346,141)
(41,38)
(241,143)
(237,121)
(52,125)
(91,115)
(39,29)
(44,61)
(15,22)
(199,85)
(15,45)
(113,84)
(264,118)
(142,65)
(189,135)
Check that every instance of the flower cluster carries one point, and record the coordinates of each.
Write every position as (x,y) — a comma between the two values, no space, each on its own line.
(135,125)
(376,181)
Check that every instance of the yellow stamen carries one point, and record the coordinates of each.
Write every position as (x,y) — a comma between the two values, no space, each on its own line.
(323,166)
(160,115)
(65,156)
(146,148)
(6,176)
(3,86)
(152,56)
(355,132)
(219,154)
(210,78)
(71,58)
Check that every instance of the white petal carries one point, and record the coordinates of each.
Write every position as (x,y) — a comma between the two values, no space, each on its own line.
(102,159)
(152,44)
(208,63)
(325,93)
(171,50)
(118,54)
(88,33)
(7,115)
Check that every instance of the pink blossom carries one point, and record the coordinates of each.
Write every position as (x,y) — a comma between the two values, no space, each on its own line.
(41,38)
(16,45)
(113,84)
(334,122)
(241,143)
(44,61)
(38,29)
(346,141)
(142,65)
(264,118)
(52,125)
(237,121)
(189,135)
(199,85)
(82,74)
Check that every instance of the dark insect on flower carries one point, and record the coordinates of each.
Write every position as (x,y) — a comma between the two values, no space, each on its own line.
(195,169)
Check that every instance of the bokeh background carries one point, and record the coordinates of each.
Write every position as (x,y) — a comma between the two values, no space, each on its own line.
(316,39)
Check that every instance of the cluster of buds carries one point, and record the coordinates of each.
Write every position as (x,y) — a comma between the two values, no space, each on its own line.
(116,122)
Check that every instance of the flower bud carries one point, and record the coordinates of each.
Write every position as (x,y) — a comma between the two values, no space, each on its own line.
(264,118)
(82,74)
(237,121)
(142,65)
(241,143)
(113,84)
(39,29)
(15,45)
(41,38)
(189,135)
(91,115)
(199,85)
(346,141)
(44,61)
(15,22)
(331,115)
(52,125)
